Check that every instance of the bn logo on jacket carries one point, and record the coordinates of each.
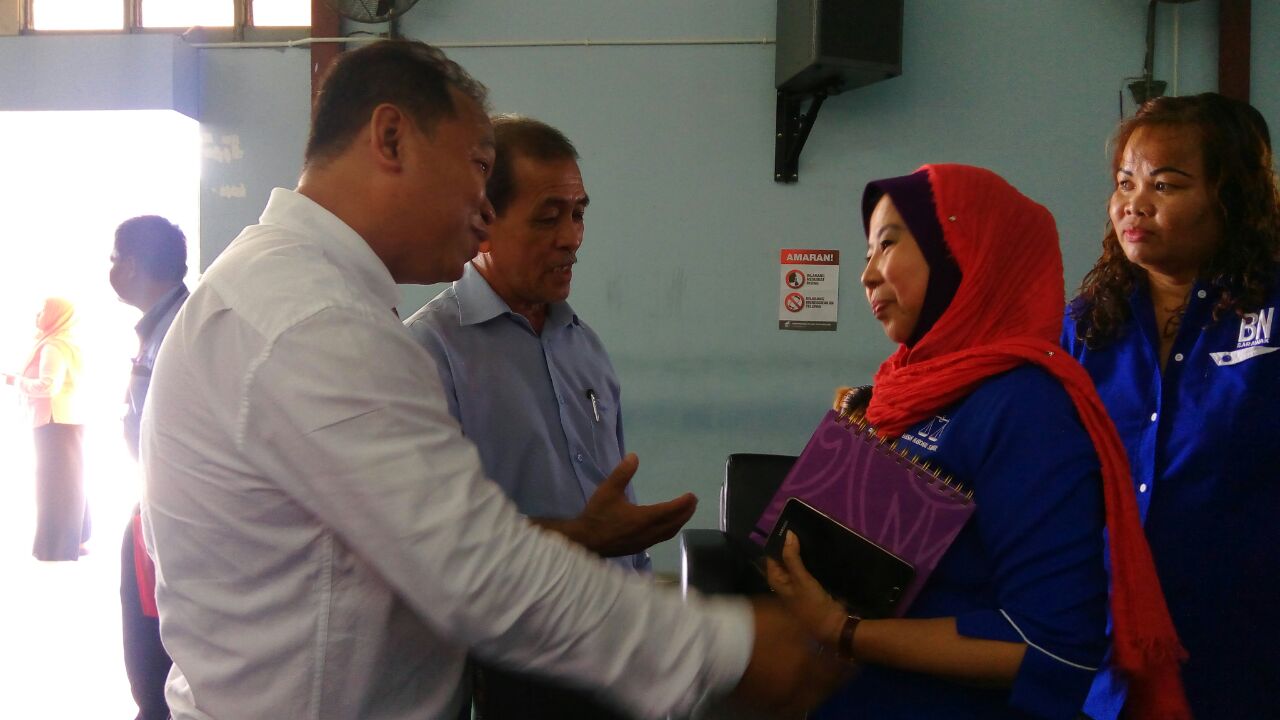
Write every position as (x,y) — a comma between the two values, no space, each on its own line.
(1254,338)
(1255,328)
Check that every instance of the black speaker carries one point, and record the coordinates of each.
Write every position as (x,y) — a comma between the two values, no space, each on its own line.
(835,45)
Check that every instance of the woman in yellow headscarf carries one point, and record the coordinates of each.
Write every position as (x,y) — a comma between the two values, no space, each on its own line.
(48,384)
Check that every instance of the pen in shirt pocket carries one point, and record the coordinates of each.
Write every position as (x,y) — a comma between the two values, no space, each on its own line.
(595,405)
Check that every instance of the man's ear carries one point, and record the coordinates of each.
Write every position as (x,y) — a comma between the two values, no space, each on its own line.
(386,134)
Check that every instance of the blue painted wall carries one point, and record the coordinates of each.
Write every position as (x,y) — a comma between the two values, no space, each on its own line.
(253,119)
(98,72)
(679,270)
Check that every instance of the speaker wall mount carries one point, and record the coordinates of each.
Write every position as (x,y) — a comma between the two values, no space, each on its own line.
(825,47)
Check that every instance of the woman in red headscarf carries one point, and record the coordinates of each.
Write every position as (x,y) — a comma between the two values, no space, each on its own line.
(965,273)
(48,383)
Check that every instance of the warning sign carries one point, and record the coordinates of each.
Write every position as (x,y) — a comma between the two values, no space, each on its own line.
(810,289)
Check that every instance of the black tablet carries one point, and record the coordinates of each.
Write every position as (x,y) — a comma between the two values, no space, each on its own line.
(864,576)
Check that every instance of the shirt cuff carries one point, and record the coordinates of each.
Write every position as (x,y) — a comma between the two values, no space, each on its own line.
(731,623)
(1048,685)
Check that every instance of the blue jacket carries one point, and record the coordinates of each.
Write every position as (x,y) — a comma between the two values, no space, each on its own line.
(1026,568)
(1202,438)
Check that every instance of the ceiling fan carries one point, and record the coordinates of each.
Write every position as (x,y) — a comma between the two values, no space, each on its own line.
(371,11)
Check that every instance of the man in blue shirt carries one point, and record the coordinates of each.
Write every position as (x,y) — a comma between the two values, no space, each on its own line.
(532,385)
(148,263)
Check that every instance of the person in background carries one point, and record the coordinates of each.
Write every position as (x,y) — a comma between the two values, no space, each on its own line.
(532,385)
(48,384)
(1011,624)
(148,264)
(1176,326)
(326,542)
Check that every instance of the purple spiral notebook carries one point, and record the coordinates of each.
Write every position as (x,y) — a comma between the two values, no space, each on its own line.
(908,508)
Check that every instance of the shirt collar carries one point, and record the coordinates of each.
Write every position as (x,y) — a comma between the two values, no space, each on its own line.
(348,251)
(478,303)
(152,317)
(1202,293)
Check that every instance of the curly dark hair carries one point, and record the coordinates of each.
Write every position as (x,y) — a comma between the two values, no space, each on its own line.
(1236,146)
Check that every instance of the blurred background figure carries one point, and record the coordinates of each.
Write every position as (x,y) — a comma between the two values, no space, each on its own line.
(148,263)
(48,384)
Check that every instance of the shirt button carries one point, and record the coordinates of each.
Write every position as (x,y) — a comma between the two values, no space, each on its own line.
(578,457)
(1202,294)
(1178,357)
(1142,488)
(1153,417)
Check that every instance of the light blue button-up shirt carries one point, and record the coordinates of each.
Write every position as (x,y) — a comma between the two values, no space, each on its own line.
(544,410)
(151,330)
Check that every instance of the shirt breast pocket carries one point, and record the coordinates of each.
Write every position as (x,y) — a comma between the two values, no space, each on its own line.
(602,417)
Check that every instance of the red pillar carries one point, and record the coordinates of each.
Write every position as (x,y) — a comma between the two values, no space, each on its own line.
(1234,22)
(325,23)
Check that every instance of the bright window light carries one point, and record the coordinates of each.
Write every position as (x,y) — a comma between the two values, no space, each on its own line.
(69,178)
(123,163)
(187,13)
(77,15)
(282,13)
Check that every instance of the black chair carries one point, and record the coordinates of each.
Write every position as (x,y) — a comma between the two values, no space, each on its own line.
(727,561)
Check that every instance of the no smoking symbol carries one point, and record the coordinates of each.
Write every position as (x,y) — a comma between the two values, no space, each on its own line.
(793,302)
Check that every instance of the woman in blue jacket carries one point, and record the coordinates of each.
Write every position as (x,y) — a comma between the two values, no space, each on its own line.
(1176,325)
(1011,624)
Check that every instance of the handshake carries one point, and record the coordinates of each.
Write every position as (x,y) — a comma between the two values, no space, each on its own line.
(790,670)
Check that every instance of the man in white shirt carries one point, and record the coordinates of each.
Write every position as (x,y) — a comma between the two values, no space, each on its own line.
(326,543)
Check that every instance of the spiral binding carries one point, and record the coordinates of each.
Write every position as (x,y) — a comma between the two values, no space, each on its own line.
(932,473)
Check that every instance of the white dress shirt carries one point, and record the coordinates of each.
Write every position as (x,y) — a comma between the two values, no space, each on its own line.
(326,543)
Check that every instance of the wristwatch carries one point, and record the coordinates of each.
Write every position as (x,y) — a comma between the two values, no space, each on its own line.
(844,648)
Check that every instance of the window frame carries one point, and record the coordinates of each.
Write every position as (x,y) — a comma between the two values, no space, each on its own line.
(242,30)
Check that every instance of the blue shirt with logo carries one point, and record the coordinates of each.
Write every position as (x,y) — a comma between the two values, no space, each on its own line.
(1026,568)
(543,410)
(1203,439)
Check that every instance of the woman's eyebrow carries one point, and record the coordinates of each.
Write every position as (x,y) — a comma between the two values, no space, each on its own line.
(890,226)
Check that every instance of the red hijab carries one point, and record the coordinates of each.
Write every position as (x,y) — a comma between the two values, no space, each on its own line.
(1007,311)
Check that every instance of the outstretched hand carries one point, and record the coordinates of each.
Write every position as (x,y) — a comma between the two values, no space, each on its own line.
(820,614)
(611,525)
(785,676)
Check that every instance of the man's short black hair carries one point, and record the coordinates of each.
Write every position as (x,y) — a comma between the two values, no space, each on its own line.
(157,245)
(409,74)
(516,136)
